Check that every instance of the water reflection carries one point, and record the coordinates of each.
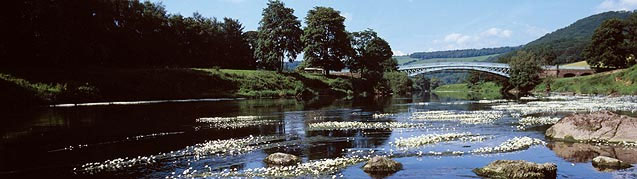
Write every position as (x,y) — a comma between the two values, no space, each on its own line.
(582,153)
(32,141)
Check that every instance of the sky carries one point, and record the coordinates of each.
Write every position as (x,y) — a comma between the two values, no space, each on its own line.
(426,25)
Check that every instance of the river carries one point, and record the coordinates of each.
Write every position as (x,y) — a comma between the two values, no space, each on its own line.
(432,136)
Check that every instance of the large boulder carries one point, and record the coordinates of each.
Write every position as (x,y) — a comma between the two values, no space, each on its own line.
(517,169)
(281,159)
(380,164)
(609,164)
(599,126)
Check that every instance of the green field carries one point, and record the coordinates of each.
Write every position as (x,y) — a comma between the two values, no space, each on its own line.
(614,82)
(487,90)
(577,64)
(405,59)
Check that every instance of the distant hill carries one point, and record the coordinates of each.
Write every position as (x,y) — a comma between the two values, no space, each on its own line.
(462,53)
(568,43)
(406,60)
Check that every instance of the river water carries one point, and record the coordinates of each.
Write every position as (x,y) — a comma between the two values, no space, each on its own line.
(432,136)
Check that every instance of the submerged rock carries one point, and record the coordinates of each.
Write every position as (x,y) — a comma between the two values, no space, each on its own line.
(380,164)
(517,169)
(608,164)
(599,126)
(281,159)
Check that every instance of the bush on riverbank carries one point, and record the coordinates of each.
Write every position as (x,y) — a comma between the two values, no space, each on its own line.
(622,82)
(398,82)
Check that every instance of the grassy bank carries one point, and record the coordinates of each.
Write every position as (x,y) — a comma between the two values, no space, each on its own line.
(487,90)
(615,82)
(46,86)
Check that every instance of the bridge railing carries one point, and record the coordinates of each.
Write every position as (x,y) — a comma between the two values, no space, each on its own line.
(553,67)
(481,64)
(445,64)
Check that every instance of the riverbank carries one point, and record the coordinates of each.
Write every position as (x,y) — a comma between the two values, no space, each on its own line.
(622,82)
(29,87)
(486,90)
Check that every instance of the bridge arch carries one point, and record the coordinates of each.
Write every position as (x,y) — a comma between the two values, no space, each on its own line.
(461,68)
(493,68)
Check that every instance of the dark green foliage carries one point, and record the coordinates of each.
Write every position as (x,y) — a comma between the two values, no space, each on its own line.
(607,48)
(631,35)
(567,44)
(525,71)
(279,36)
(473,79)
(326,42)
(420,83)
(105,33)
(390,64)
(462,53)
(371,53)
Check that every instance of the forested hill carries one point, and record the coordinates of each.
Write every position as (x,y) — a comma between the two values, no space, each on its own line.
(462,53)
(567,44)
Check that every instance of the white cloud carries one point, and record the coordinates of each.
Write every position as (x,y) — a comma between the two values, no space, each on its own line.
(398,53)
(617,5)
(504,33)
(488,38)
(459,38)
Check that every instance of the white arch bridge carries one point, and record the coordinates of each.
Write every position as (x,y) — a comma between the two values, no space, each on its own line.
(501,69)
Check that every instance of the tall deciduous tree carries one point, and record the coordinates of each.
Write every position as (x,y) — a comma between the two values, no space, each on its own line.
(327,43)
(607,46)
(631,36)
(525,71)
(279,36)
(371,53)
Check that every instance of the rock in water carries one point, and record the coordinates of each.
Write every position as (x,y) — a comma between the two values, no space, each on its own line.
(599,126)
(608,164)
(517,169)
(281,159)
(382,165)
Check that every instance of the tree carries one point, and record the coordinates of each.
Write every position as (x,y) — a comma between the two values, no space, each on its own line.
(390,65)
(525,71)
(279,36)
(607,46)
(631,37)
(236,44)
(473,80)
(371,53)
(325,39)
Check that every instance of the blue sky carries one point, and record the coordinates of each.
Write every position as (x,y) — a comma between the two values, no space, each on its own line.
(426,25)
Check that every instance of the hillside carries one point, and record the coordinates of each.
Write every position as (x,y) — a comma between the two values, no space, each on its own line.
(622,82)
(568,43)
(30,87)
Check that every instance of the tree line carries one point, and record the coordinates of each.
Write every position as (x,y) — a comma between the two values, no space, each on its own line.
(132,34)
(462,53)
(118,33)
